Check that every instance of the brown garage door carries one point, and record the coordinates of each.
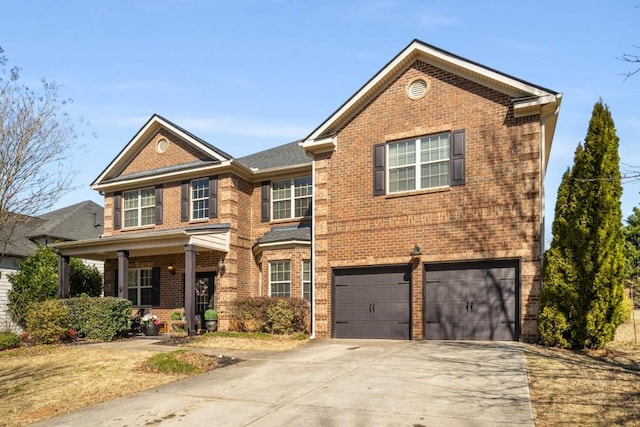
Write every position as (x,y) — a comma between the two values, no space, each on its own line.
(472,301)
(372,302)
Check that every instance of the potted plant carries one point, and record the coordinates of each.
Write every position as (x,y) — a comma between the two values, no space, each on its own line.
(150,324)
(211,320)
(178,322)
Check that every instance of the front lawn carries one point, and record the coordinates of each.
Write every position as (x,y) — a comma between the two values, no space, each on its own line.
(588,387)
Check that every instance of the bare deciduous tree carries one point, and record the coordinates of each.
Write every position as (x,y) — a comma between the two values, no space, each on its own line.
(633,59)
(36,141)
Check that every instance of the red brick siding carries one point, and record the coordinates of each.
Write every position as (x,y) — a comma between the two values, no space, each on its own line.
(496,214)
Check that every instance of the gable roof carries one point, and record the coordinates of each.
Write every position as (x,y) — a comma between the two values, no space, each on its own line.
(286,155)
(148,130)
(528,97)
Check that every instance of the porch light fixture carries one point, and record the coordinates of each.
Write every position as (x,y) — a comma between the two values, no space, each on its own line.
(221,267)
(171,269)
(416,251)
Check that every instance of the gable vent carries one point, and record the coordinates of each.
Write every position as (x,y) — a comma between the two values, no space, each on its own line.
(417,89)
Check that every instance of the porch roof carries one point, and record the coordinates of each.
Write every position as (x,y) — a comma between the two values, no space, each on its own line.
(211,238)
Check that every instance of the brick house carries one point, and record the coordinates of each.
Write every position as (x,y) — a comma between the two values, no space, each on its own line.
(415,211)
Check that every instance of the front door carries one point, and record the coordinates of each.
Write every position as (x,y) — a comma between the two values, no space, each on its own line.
(205,289)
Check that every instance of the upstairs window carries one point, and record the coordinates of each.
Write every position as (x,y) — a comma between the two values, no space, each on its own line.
(291,198)
(139,207)
(280,279)
(200,198)
(419,163)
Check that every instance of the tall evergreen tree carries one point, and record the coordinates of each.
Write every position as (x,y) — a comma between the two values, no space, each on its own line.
(583,271)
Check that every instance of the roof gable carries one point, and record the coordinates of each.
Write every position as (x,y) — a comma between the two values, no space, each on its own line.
(530,95)
(157,127)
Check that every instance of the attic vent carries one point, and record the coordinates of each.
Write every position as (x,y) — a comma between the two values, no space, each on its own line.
(162,145)
(417,89)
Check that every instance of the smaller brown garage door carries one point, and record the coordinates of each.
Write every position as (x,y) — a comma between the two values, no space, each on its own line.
(372,302)
(472,301)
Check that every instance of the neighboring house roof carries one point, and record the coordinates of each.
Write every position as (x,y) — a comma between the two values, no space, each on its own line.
(528,99)
(286,155)
(80,221)
(14,240)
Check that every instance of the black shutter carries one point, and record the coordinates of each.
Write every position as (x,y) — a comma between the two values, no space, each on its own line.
(379,178)
(266,201)
(184,202)
(213,197)
(457,157)
(117,214)
(159,205)
(155,286)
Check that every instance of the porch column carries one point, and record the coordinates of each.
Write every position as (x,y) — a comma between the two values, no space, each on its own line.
(63,277)
(189,283)
(123,273)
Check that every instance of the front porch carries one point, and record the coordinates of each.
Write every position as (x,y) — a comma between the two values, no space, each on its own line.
(162,271)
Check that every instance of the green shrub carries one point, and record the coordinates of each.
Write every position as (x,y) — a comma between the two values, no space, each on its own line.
(9,340)
(48,322)
(280,318)
(552,328)
(210,314)
(177,315)
(100,318)
(252,315)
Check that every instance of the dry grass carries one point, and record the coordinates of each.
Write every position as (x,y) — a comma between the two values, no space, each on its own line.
(590,387)
(37,383)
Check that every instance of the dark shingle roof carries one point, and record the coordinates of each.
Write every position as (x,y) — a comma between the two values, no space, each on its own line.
(286,233)
(159,171)
(290,154)
(84,220)
(13,237)
(81,221)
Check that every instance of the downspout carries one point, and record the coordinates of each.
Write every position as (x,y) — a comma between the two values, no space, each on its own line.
(312,297)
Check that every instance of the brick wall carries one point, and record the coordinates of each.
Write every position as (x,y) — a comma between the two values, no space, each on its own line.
(496,214)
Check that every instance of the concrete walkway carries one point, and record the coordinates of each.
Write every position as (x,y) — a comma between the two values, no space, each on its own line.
(339,383)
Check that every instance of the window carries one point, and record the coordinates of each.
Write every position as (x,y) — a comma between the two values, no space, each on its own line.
(140,286)
(419,163)
(200,198)
(306,280)
(291,198)
(280,279)
(139,207)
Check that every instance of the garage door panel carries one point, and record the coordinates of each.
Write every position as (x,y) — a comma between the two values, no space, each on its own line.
(376,305)
(473,300)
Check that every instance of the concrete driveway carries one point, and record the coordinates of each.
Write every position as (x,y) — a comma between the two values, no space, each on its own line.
(340,383)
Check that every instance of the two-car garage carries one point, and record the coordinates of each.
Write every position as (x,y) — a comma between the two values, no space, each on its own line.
(461,301)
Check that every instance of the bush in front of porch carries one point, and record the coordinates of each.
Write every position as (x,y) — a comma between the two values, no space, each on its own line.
(270,315)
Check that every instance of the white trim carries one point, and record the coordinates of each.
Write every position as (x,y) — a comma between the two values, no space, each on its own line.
(159,178)
(322,145)
(292,197)
(205,179)
(443,60)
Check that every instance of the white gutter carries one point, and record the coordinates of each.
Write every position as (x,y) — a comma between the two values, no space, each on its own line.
(313,250)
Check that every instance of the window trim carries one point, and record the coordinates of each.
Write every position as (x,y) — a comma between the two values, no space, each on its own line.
(417,163)
(292,198)
(271,282)
(207,180)
(138,287)
(138,208)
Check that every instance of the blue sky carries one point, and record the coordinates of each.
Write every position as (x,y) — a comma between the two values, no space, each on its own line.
(247,75)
